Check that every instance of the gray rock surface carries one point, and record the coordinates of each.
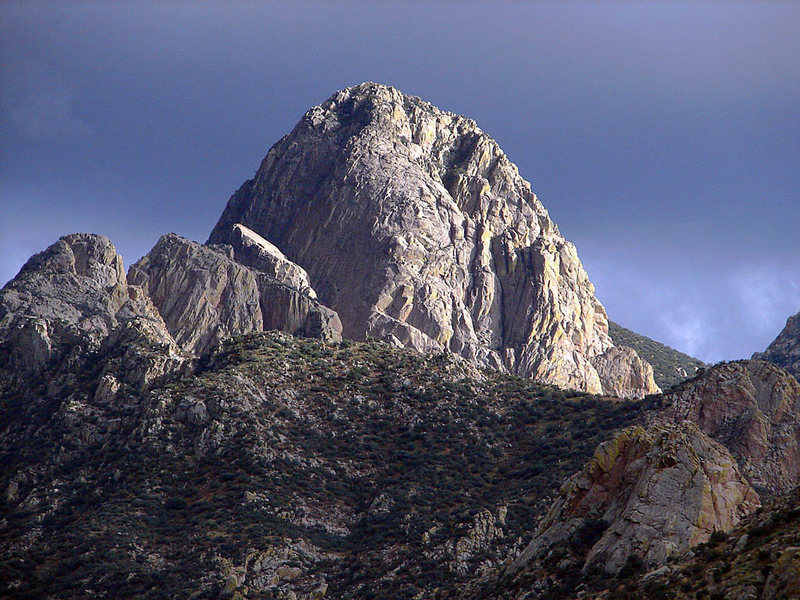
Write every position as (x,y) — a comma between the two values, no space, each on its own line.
(205,296)
(72,293)
(784,351)
(753,408)
(651,493)
(252,250)
(416,228)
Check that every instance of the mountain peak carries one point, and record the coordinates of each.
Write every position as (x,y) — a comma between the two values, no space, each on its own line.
(416,228)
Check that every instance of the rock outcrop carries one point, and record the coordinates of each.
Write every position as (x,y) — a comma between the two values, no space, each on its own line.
(670,367)
(416,228)
(206,296)
(758,560)
(752,407)
(252,250)
(73,295)
(647,493)
(784,351)
(621,370)
(70,316)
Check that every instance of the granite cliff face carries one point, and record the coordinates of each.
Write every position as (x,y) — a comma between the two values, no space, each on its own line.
(784,351)
(414,226)
(753,408)
(206,296)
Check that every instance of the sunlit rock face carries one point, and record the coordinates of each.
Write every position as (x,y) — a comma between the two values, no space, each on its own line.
(416,228)
(650,493)
(206,296)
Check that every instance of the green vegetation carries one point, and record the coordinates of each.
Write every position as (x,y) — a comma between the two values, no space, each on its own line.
(356,464)
(670,367)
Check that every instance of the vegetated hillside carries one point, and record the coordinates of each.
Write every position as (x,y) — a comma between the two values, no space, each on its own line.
(760,558)
(654,495)
(282,468)
(670,366)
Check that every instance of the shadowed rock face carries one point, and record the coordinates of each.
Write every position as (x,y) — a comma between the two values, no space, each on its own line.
(753,408)
(205,295)
(415,227)
(785,350)
(650,492)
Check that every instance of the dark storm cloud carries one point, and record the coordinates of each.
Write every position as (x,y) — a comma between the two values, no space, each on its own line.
(662,137)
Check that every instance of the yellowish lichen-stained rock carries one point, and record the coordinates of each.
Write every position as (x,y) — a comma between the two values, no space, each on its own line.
(753,408)
(648,493)
(206,296)
(416,228)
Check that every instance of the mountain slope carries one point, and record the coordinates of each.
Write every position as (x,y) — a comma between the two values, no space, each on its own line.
(156,442)
(416,228)
(670,366)
(688,474)
(283,465)
(750,406)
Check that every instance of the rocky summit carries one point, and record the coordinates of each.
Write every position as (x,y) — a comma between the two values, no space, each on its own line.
(415,227)
(347,393)
(785,349)
(68,302)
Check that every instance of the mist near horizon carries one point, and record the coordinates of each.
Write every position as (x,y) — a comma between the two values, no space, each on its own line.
(661,137)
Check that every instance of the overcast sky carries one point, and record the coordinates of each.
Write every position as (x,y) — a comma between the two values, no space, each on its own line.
(663,137)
